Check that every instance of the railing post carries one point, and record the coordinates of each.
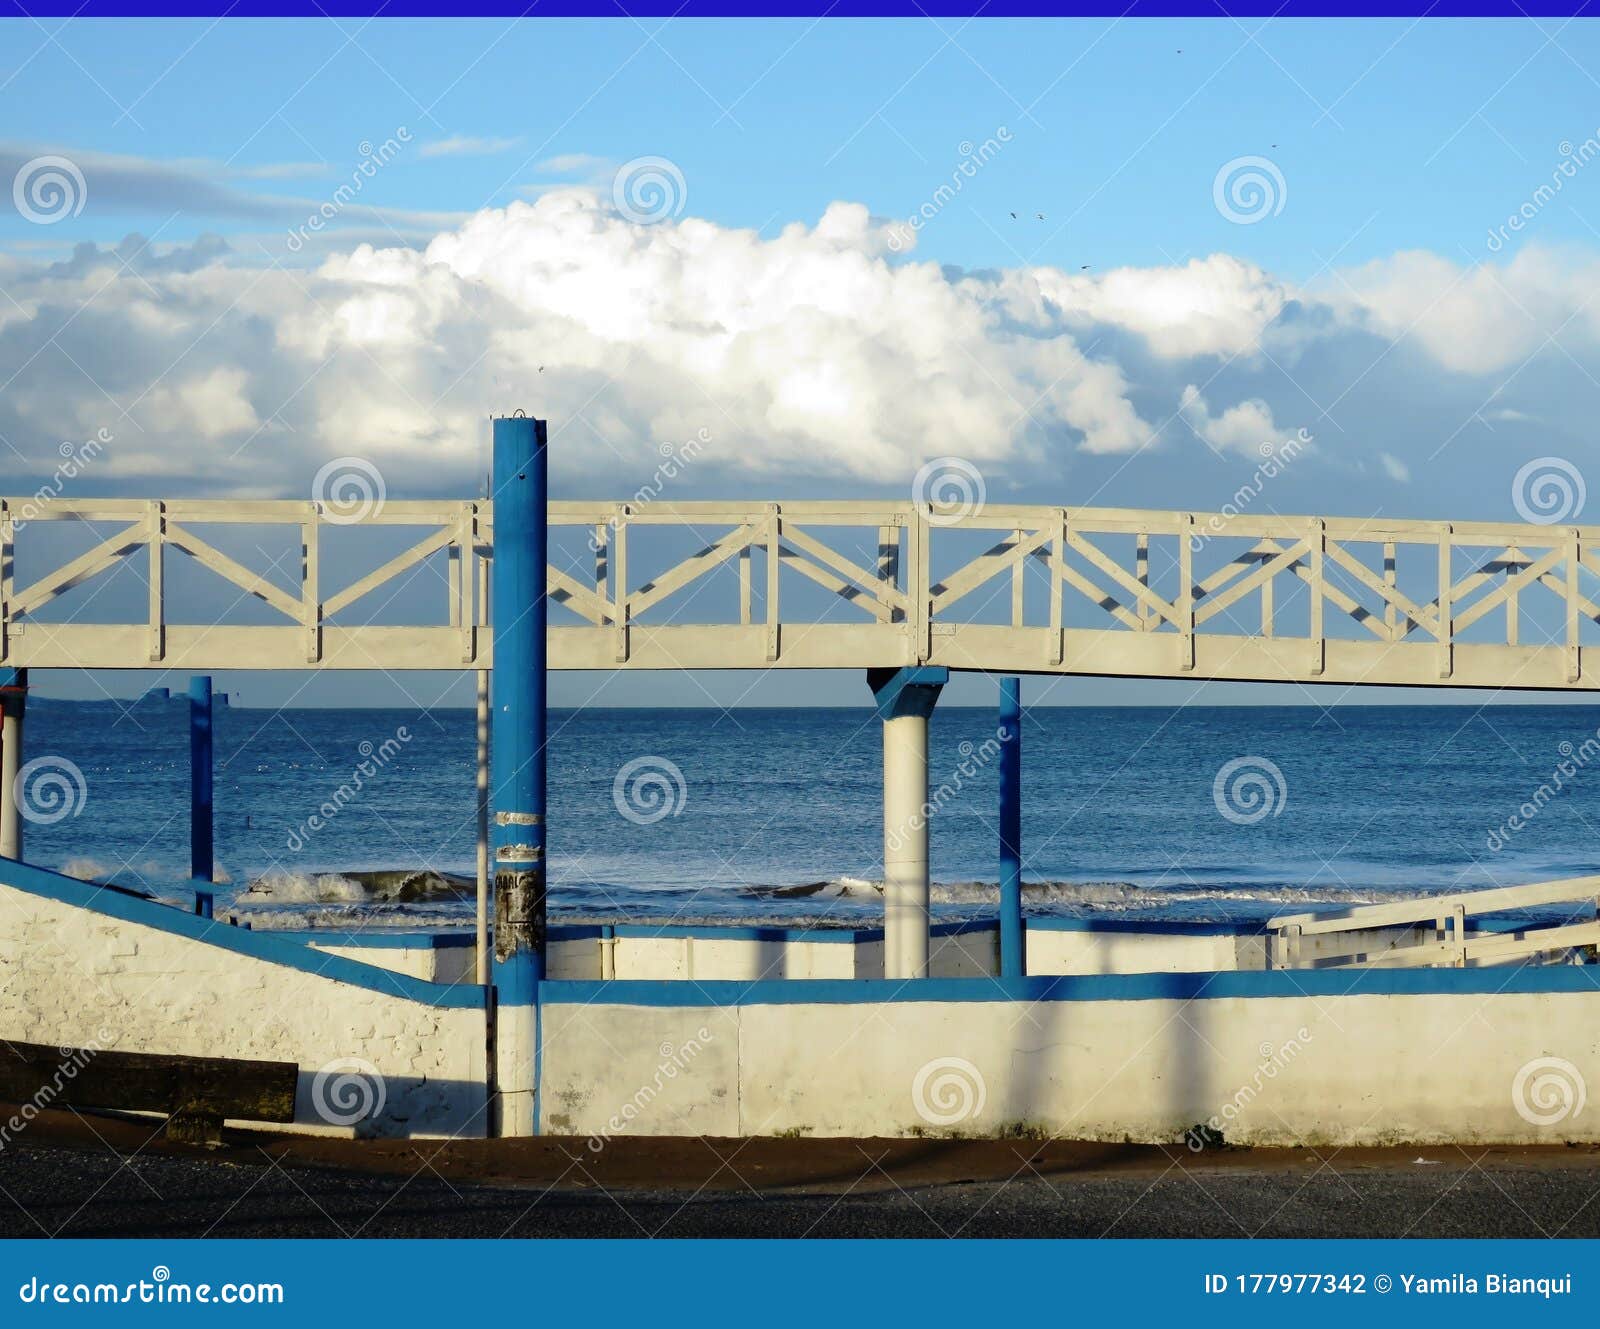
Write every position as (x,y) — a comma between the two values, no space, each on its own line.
(518,757)
(1013,944)
(202,867)
(13,701)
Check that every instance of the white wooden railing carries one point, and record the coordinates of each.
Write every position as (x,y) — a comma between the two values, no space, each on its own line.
(1003,588)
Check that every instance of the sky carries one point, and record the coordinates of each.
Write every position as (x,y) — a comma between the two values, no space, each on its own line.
(1107,262)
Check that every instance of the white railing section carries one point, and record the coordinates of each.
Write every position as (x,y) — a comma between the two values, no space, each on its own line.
(1435,929)
(1006,588)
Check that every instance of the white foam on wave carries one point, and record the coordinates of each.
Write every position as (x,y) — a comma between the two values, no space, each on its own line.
(281,888)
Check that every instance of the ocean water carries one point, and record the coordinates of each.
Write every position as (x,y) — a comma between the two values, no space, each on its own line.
(774,815)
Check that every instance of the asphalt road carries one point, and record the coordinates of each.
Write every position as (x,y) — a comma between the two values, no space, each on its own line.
(49,1189)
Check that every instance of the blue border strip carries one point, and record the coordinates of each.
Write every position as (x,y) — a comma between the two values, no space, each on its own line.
(1278,983)
(905,9)
(258,945)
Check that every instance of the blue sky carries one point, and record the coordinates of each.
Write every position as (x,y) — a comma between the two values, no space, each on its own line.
(1368,306)
(1392,134)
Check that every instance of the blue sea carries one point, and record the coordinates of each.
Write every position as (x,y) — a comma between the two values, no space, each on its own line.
(774,815)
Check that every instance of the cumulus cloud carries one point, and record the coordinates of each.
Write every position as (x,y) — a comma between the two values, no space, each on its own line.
(1246,428)
(814,354)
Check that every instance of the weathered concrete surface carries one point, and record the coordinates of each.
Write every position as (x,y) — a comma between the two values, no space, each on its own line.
(371,1061)
(1506,1067)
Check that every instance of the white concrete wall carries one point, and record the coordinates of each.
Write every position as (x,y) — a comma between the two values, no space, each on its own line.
(1054,952)
(77,978)
(1324,1070)
(969,954)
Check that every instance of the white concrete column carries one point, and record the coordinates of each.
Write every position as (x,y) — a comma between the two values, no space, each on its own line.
(13,691)
(905,847)
(905,699)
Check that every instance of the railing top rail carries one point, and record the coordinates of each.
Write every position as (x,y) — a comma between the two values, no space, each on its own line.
(989,516)
(1428,908)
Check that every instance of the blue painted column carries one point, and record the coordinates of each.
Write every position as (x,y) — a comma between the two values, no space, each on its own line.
(1013,954)
(13,701)
(517,745)
(201,823)
(905,699)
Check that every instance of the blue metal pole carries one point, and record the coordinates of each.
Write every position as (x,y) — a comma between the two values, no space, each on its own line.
(1013,957)
(517,832)
(201,826)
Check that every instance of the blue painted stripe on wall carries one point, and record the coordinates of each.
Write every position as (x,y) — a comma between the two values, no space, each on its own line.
(1089,987)
(35,881)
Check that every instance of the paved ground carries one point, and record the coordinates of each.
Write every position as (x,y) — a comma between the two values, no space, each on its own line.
(97,1177)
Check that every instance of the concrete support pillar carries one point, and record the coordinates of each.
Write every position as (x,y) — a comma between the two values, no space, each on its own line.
(13,702)
(905,699)
(517,833)
(202,867)
(1013,952)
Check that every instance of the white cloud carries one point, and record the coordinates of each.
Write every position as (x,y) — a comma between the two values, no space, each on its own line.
(1394,468)
(465,145)
(815,355)
(1246,428)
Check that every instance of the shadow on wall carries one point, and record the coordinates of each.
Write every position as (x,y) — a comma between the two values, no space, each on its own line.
(351,1095)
